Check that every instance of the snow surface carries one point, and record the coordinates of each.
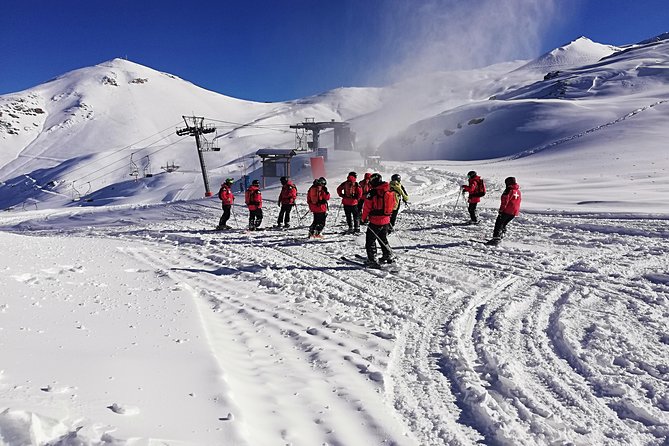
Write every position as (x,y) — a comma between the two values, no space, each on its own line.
(125,320)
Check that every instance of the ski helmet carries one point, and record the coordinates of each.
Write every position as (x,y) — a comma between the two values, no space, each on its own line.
(322,181)
(283,180)
(353,174)
(375,179)
(396,177)
(510,181)
(471,174)
(255,183)
(229,180)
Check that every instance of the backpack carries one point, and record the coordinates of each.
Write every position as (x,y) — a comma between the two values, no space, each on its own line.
(379,204)
(350,189)
(252,197)
(221,193)
(480,188)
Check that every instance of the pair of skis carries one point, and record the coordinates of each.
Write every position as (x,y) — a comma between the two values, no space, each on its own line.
(360,261)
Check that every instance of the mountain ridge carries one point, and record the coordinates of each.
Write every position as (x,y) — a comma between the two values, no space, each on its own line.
(105,113)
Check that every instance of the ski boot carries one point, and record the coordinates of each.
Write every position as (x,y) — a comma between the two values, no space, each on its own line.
(388,260)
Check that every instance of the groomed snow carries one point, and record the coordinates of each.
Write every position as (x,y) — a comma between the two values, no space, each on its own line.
(125,320)
(135,325)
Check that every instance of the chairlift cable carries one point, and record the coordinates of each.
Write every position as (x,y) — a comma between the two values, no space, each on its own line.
(125,167)
(124,159)
(128,146)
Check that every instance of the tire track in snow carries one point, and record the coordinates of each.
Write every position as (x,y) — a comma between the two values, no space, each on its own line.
(554,353)
(321,352)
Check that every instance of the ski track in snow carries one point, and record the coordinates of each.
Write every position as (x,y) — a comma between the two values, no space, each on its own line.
(558,336)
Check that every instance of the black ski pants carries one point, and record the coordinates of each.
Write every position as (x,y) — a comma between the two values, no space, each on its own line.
(318,224)
(352,216)
(376,233)
(472,212)
(255,218)
(500,224)
(393,217)
(284,214)
(226,215)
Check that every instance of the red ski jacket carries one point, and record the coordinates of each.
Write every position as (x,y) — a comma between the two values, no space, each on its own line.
(474,186)
(379,205)
(253,198)
(511,198)
(288,193)
(317,199)
(350,192)
(364,184)
(226,195)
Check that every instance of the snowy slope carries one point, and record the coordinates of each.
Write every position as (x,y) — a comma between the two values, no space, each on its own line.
(588,118)
(182,336)
(579,52)
(80,129)
(125,322)
(74,136)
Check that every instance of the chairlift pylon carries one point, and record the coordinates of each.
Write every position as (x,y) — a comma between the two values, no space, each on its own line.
(134,168)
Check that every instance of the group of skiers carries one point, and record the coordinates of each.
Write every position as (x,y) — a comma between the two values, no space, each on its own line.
(370,201)
(509,207)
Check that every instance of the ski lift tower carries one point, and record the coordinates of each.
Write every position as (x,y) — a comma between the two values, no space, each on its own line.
(343,137)
(195,127)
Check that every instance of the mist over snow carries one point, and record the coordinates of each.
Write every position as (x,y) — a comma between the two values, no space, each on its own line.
(126,320)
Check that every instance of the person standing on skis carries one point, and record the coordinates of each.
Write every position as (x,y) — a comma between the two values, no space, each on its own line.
(476,190)
(508,209)
(351,193)
(317,199)
(378,208)
(286,200)
(401,195)
(253,199)
(365,187)
(227,199)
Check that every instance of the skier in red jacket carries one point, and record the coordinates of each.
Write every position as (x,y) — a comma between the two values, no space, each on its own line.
(351,193)
(476,189)
(286,201)
(317,199)
(366,187)
(254,203)
(378,208)
(509,208)
(227,199)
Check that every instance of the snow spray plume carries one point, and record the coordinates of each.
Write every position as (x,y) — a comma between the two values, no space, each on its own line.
(454,35)
(430,36)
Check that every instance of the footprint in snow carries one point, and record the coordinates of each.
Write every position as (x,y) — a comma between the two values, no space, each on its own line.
(123,410)
(25,278)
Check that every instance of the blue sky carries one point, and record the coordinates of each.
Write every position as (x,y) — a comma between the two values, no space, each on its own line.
(271,50)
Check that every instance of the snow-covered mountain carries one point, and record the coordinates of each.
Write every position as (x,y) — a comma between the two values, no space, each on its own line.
(133,324)
(75,135)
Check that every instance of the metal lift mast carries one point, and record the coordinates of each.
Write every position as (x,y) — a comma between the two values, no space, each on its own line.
(195,127)
(314,127)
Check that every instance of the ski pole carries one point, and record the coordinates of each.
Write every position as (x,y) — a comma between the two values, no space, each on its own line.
(297,211)
(456,202)
(234,215)
(379,239)
(337,216)
(399,239)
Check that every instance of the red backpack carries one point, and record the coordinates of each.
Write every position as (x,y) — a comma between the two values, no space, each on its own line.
(480,188)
